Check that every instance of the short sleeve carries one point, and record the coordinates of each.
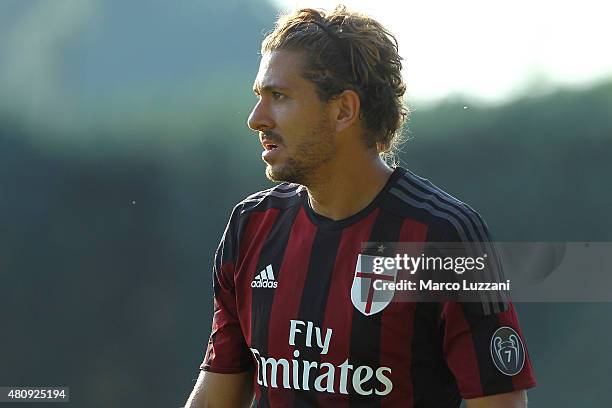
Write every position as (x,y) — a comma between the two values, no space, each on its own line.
(487,354)
(482,341)
(227,351)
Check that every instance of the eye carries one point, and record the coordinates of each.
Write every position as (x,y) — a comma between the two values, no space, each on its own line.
(277,95)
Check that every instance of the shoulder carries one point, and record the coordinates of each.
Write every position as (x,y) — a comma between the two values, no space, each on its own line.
(419,198)
(281,196)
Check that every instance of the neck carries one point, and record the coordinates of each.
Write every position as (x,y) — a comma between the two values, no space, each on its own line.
(345,188)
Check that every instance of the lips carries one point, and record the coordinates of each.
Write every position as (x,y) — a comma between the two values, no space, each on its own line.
(268,142)
(270,151)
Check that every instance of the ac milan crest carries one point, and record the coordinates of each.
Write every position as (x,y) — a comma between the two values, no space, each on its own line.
(368,292)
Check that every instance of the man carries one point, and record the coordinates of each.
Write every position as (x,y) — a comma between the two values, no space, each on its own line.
(286,329)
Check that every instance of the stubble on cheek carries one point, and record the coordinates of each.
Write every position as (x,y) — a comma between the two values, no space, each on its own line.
(301,163)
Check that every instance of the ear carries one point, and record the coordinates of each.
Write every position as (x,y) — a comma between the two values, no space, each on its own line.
(347,109)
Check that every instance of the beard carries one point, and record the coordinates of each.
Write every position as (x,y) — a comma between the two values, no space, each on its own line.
(301,165)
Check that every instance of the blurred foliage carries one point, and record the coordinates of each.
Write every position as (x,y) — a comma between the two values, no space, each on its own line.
(537,167)
(113,199)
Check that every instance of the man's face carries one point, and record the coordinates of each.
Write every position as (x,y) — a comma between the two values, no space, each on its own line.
(294,125)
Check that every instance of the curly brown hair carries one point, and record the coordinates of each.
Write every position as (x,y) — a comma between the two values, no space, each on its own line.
(348,50)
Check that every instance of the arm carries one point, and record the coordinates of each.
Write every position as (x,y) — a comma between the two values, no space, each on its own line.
(516,399)
(226,376)
(473,338)
(213,390)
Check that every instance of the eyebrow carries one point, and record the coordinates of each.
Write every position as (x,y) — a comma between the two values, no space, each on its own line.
(268,88)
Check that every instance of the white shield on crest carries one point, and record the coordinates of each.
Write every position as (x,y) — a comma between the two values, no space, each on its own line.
(364,293)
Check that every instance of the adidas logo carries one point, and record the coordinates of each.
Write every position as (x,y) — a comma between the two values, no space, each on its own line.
(265,279)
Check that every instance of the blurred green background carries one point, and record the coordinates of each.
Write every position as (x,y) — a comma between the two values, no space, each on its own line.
(123,147)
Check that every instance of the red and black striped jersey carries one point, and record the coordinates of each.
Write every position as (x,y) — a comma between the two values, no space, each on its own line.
(282,282)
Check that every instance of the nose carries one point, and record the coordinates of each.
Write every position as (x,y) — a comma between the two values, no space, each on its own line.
(259,119)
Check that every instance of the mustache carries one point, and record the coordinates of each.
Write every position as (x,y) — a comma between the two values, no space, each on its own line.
(271,136)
